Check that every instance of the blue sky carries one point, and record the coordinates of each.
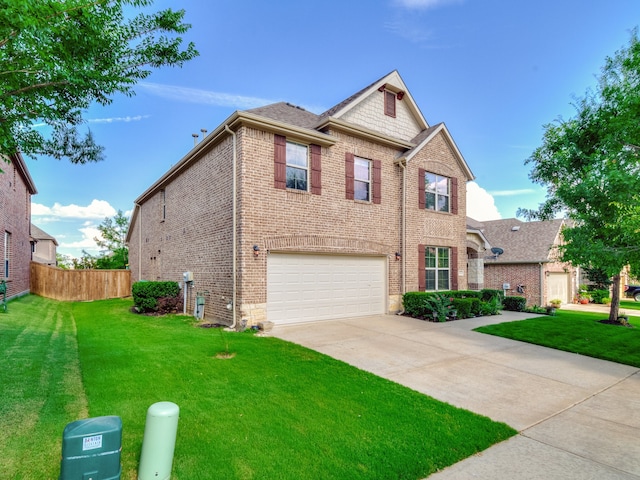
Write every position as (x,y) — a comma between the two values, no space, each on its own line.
(495,71)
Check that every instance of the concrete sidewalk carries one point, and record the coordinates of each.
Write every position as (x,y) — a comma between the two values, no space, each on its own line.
(578,417)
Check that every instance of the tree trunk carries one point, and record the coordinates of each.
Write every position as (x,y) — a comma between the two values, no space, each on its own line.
(615,299)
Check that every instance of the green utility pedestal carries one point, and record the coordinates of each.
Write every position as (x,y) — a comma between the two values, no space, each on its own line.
(91,449)
(159,441)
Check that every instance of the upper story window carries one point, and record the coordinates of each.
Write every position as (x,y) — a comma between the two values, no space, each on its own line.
(362,179)
(297,166)
(389,103)
(7,253)
(163,200)
(437,192)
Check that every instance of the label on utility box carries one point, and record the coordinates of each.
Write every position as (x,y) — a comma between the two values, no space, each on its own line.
(91,443)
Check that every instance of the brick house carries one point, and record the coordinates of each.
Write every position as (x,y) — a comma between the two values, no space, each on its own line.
(280,214)
(16,188)
(527,262)
(44,246)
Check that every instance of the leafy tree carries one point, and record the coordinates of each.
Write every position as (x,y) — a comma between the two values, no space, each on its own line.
(590,165)
(59,57)
(115,253)
(64,261)
(85,262)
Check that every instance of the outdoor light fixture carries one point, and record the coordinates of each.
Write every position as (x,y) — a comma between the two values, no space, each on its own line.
(398,256)
(256,250)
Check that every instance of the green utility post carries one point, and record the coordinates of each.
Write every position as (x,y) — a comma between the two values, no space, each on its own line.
(159,441)
(91,449)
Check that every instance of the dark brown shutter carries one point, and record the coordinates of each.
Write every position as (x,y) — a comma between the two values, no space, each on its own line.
(348,175)
(389,103)
(377,181)
(454,195)
(316,169)
(454,268)
(422,274)
(421,195)
(280,161)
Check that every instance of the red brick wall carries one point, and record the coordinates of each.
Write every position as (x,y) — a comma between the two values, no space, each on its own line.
(196,234)
(15,218)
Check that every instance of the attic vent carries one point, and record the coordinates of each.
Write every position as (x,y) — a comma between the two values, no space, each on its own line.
(515,229)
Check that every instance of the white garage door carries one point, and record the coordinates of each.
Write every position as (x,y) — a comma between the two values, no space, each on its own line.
(558,287)
(303,288)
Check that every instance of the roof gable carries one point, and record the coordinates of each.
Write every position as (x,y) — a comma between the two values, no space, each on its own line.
(366,109)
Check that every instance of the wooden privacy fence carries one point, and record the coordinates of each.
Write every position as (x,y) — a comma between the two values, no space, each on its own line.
(79,285)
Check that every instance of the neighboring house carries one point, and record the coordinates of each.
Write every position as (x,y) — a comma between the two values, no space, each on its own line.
(44,247)
(16,188)
(280,214)
(523,255)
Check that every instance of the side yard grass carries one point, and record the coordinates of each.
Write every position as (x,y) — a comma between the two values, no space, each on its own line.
(577,332)
(274,410)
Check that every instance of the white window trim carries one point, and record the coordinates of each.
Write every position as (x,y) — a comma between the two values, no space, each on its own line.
(306,168)
(368,181)
(435,192)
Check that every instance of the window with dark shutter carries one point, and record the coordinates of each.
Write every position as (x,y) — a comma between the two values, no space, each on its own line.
(389,103)
(421,182)
(454,268)
(348,175)
(377,181)
(422,277)
(454,195)
(316,170)
(280,162)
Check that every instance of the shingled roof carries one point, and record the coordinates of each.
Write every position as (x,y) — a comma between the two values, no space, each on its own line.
(521,242)
(287,113)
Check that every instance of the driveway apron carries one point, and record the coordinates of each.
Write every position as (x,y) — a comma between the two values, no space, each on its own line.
(578,417)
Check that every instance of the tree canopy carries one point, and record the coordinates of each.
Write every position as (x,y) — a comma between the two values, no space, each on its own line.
(590,165)
(59,57)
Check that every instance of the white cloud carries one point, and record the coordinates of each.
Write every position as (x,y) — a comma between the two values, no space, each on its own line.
(425,4)
(86,242)
(97,209)
(126,119)
(480,204)
(513,193)
(195,95)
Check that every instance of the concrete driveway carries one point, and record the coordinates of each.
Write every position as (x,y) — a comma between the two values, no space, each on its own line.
(578,417)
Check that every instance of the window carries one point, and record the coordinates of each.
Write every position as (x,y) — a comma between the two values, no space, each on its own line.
(297,166)
(7,252)
(362,179)
(163,199)
(389,103)
(437,192)
(437,268)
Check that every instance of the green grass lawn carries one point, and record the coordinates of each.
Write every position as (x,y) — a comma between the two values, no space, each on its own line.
(578,332)
(274,411)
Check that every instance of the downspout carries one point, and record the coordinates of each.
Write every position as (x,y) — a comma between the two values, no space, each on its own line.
(234,267)
(403,227)
(139,241)
(541,283)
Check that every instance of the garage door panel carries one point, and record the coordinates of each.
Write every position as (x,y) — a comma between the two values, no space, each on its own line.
(320,287)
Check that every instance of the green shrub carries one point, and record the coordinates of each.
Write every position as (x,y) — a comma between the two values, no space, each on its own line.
(414,305)
(515,304)
(475,306)
(464,306)
(147,294)
(488,294)
(598,295)
(462,294)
